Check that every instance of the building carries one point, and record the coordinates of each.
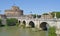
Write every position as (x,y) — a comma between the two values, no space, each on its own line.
(2,16)
(47,16)
(14,12)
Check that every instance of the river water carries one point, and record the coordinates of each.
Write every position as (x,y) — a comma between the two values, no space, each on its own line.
(17,31)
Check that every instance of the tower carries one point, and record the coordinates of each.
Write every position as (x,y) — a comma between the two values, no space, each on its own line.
(14,12)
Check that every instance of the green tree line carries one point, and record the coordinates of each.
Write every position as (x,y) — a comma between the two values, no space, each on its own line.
(11,21)
(53,14)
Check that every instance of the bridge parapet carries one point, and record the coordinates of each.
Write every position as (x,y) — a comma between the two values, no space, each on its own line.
(40,19)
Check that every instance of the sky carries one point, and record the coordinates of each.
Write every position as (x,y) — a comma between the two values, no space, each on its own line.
(34,6)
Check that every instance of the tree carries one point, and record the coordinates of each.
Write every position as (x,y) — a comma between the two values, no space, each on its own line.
(52,31)
(34,16)
(45,14)
(11,21)
(39,16)
(57,14)
(53,14)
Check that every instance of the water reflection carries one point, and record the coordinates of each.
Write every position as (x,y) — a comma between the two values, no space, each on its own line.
(16,31)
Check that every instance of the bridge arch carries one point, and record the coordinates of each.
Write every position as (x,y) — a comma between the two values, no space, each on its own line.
(19,22)
(24,22)
(43,25)
(32,24)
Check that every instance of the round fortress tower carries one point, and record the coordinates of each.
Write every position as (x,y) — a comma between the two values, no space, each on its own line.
(14,12)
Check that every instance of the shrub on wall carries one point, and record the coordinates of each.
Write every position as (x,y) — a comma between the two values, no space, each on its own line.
(11,21)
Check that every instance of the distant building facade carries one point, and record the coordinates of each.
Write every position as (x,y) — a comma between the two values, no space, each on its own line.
(47,16)
(14,12)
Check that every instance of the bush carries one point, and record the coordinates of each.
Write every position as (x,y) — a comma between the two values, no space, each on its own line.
(11,21)
(52,31)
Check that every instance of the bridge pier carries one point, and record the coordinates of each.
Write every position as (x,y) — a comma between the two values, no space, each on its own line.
(37,23)
(27,24)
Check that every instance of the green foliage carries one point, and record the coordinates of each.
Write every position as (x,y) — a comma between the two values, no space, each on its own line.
(11,21)
(52,31)
(39,16)
(45,14)
(53,14)
(17,24)
(57,14)
(34,16)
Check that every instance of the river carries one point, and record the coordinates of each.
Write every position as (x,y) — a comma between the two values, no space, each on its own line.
(17,31)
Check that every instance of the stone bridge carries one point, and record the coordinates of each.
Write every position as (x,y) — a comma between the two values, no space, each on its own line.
(38,22)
